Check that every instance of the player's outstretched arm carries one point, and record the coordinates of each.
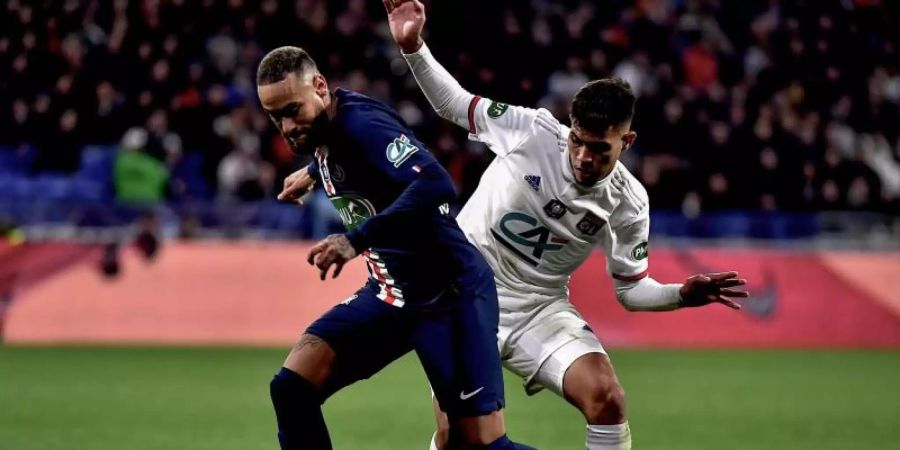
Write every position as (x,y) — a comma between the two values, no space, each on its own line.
(392,150)
(430,189)
(627,263)
(406,19)
(502,127)
(647,294)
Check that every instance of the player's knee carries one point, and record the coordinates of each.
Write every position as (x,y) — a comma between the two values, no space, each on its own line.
(289,387)
(604,402)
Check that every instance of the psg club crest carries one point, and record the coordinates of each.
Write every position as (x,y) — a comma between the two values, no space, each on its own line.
(338,173)
(555,209)
(590,224)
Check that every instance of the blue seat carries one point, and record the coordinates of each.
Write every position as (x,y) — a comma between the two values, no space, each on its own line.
(52,186)
(16,160)
(97,163)
(189,172)
(88,190)
(17,187)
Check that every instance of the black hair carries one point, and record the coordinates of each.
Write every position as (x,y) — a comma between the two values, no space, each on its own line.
(278,63)
(601,104)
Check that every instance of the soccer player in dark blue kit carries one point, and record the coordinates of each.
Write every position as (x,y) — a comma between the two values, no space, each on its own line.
(429,290)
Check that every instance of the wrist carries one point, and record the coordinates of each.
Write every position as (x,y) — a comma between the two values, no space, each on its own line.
(357,240)
(414,47)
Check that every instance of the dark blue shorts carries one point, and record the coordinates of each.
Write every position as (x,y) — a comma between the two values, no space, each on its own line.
(457,345)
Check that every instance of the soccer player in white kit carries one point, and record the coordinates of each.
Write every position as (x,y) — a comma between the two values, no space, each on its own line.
(550,196)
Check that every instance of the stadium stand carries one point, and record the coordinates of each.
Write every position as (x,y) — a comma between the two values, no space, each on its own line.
(776,110)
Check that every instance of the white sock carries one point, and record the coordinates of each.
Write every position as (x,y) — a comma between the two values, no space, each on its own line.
(609,437)
(433,446)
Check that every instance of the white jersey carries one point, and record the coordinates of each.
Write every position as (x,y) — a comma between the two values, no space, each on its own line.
(529,217)
(535,225)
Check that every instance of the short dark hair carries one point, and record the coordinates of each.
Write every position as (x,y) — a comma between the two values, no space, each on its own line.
(601,104)
(278,63)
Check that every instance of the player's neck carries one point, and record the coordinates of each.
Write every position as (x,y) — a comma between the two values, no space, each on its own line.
(331,108)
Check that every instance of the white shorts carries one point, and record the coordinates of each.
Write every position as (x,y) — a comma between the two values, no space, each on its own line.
(540,336)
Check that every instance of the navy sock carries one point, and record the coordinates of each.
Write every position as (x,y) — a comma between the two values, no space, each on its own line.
(298,409)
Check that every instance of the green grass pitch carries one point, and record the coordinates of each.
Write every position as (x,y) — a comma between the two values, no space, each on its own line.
(203,398)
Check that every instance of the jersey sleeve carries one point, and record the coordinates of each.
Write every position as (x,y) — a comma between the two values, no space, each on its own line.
(626,252)
(389,145)
(502,127)
(394,150)
(312,169)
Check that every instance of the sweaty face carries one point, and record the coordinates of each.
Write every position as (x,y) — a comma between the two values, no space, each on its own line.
(592,155)
(297,106)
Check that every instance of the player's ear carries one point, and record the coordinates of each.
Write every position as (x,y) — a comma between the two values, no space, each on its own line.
(321,85)
(628,138)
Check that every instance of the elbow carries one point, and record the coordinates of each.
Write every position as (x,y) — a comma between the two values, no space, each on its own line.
(448,191)
(632,304)
(455,108)
(441,184)
(445,111)
(442,110)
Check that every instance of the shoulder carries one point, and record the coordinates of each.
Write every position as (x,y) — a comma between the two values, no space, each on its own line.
(379,132)
(356,111)
(544,122)
(543,132)
(371,123)
(634,203)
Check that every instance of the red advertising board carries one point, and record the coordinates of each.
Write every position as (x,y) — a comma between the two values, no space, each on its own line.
(265,294)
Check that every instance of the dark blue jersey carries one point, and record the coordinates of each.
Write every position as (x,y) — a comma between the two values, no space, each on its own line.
(392,196)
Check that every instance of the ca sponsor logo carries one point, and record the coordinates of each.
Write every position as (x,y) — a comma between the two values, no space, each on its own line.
(526,237)
(400,150)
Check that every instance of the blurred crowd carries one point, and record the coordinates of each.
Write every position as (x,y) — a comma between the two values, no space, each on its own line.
(754,105)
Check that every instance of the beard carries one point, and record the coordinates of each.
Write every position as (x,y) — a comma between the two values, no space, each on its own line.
(315,136)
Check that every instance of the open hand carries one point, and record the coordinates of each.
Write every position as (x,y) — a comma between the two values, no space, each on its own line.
(406,18)
(334,249)
(706,288)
